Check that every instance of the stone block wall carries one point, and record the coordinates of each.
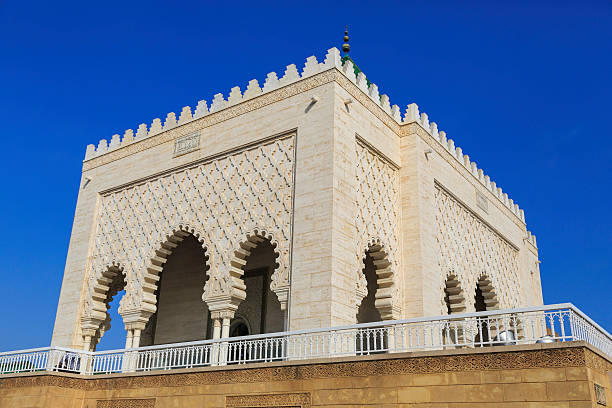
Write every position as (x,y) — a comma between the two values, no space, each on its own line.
(547,376)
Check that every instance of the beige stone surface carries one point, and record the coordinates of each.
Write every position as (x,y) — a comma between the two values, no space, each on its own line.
(538,377)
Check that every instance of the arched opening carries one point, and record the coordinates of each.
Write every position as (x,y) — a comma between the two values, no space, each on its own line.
(110,288)
(239,328)
(260,312)
(380,300)
(372,340)
(181,313)
(485,299)
(367,311)
(453,303)
(454,300)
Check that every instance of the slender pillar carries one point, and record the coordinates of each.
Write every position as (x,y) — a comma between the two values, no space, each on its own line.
(128,339)
(285,320)
(87,343)
(216,328)
(226,327)
(125,363)
(136,338)
(84,358)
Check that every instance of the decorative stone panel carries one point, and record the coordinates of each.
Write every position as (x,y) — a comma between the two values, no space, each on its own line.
(377,227)
(469,249)
(224,202)
(285,400)
(126,403)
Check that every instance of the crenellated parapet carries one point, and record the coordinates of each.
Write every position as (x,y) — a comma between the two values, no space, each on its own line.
(219,102)
(290,76)
(412,115)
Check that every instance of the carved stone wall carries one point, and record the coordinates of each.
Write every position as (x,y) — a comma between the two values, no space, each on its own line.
(469,249)
(285,400)
(223,202)
(126,403)
(377,227)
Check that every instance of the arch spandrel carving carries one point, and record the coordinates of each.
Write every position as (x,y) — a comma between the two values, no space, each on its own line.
(469,248)
(222,200)
(377,224)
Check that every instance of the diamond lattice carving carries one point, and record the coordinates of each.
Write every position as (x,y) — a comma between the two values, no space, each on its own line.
(377,227)
(223,202)
(469,249)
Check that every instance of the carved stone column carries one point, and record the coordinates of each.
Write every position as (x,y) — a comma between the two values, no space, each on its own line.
(89,327)
(221,322)
(128,339)
(216,328)
(135,322)
(221,318)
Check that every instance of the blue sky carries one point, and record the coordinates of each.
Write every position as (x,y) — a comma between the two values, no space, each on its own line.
(523,87)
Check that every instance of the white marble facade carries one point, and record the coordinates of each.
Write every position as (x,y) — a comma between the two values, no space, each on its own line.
(276,197)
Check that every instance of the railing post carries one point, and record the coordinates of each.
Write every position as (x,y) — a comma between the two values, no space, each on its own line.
(50,359)
(573,324)
(224,334)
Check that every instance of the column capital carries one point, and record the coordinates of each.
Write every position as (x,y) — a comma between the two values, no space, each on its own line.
(89,326)
(135,319)
(222,314)
(282,294)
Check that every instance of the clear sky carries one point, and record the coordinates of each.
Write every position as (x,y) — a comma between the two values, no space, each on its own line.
(523,87)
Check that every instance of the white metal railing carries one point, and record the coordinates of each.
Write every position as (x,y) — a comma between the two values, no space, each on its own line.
(554,323)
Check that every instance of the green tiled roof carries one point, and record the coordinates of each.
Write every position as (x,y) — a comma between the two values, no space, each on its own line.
(355,67)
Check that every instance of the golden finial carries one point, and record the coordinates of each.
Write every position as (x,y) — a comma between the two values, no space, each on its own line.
(346,47)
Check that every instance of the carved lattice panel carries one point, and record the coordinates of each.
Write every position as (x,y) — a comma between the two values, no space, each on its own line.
(222,201)
(469,248)
(377,220)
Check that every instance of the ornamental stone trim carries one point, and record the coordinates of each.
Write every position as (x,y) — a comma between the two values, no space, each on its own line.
(292,400)
(365,92)
(186,144)
(212,119)
(126,403)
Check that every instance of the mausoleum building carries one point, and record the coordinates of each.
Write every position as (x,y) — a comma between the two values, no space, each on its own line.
(306,201)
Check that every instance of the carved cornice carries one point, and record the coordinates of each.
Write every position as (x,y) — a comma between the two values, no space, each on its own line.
(213,119)
(366,101)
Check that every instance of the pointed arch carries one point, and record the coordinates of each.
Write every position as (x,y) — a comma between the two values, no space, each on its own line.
(150,282)
(95,319)
(454,297)
(485,294)
(386,296)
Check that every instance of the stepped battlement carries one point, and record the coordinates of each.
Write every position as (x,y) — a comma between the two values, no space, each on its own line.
(291,75)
